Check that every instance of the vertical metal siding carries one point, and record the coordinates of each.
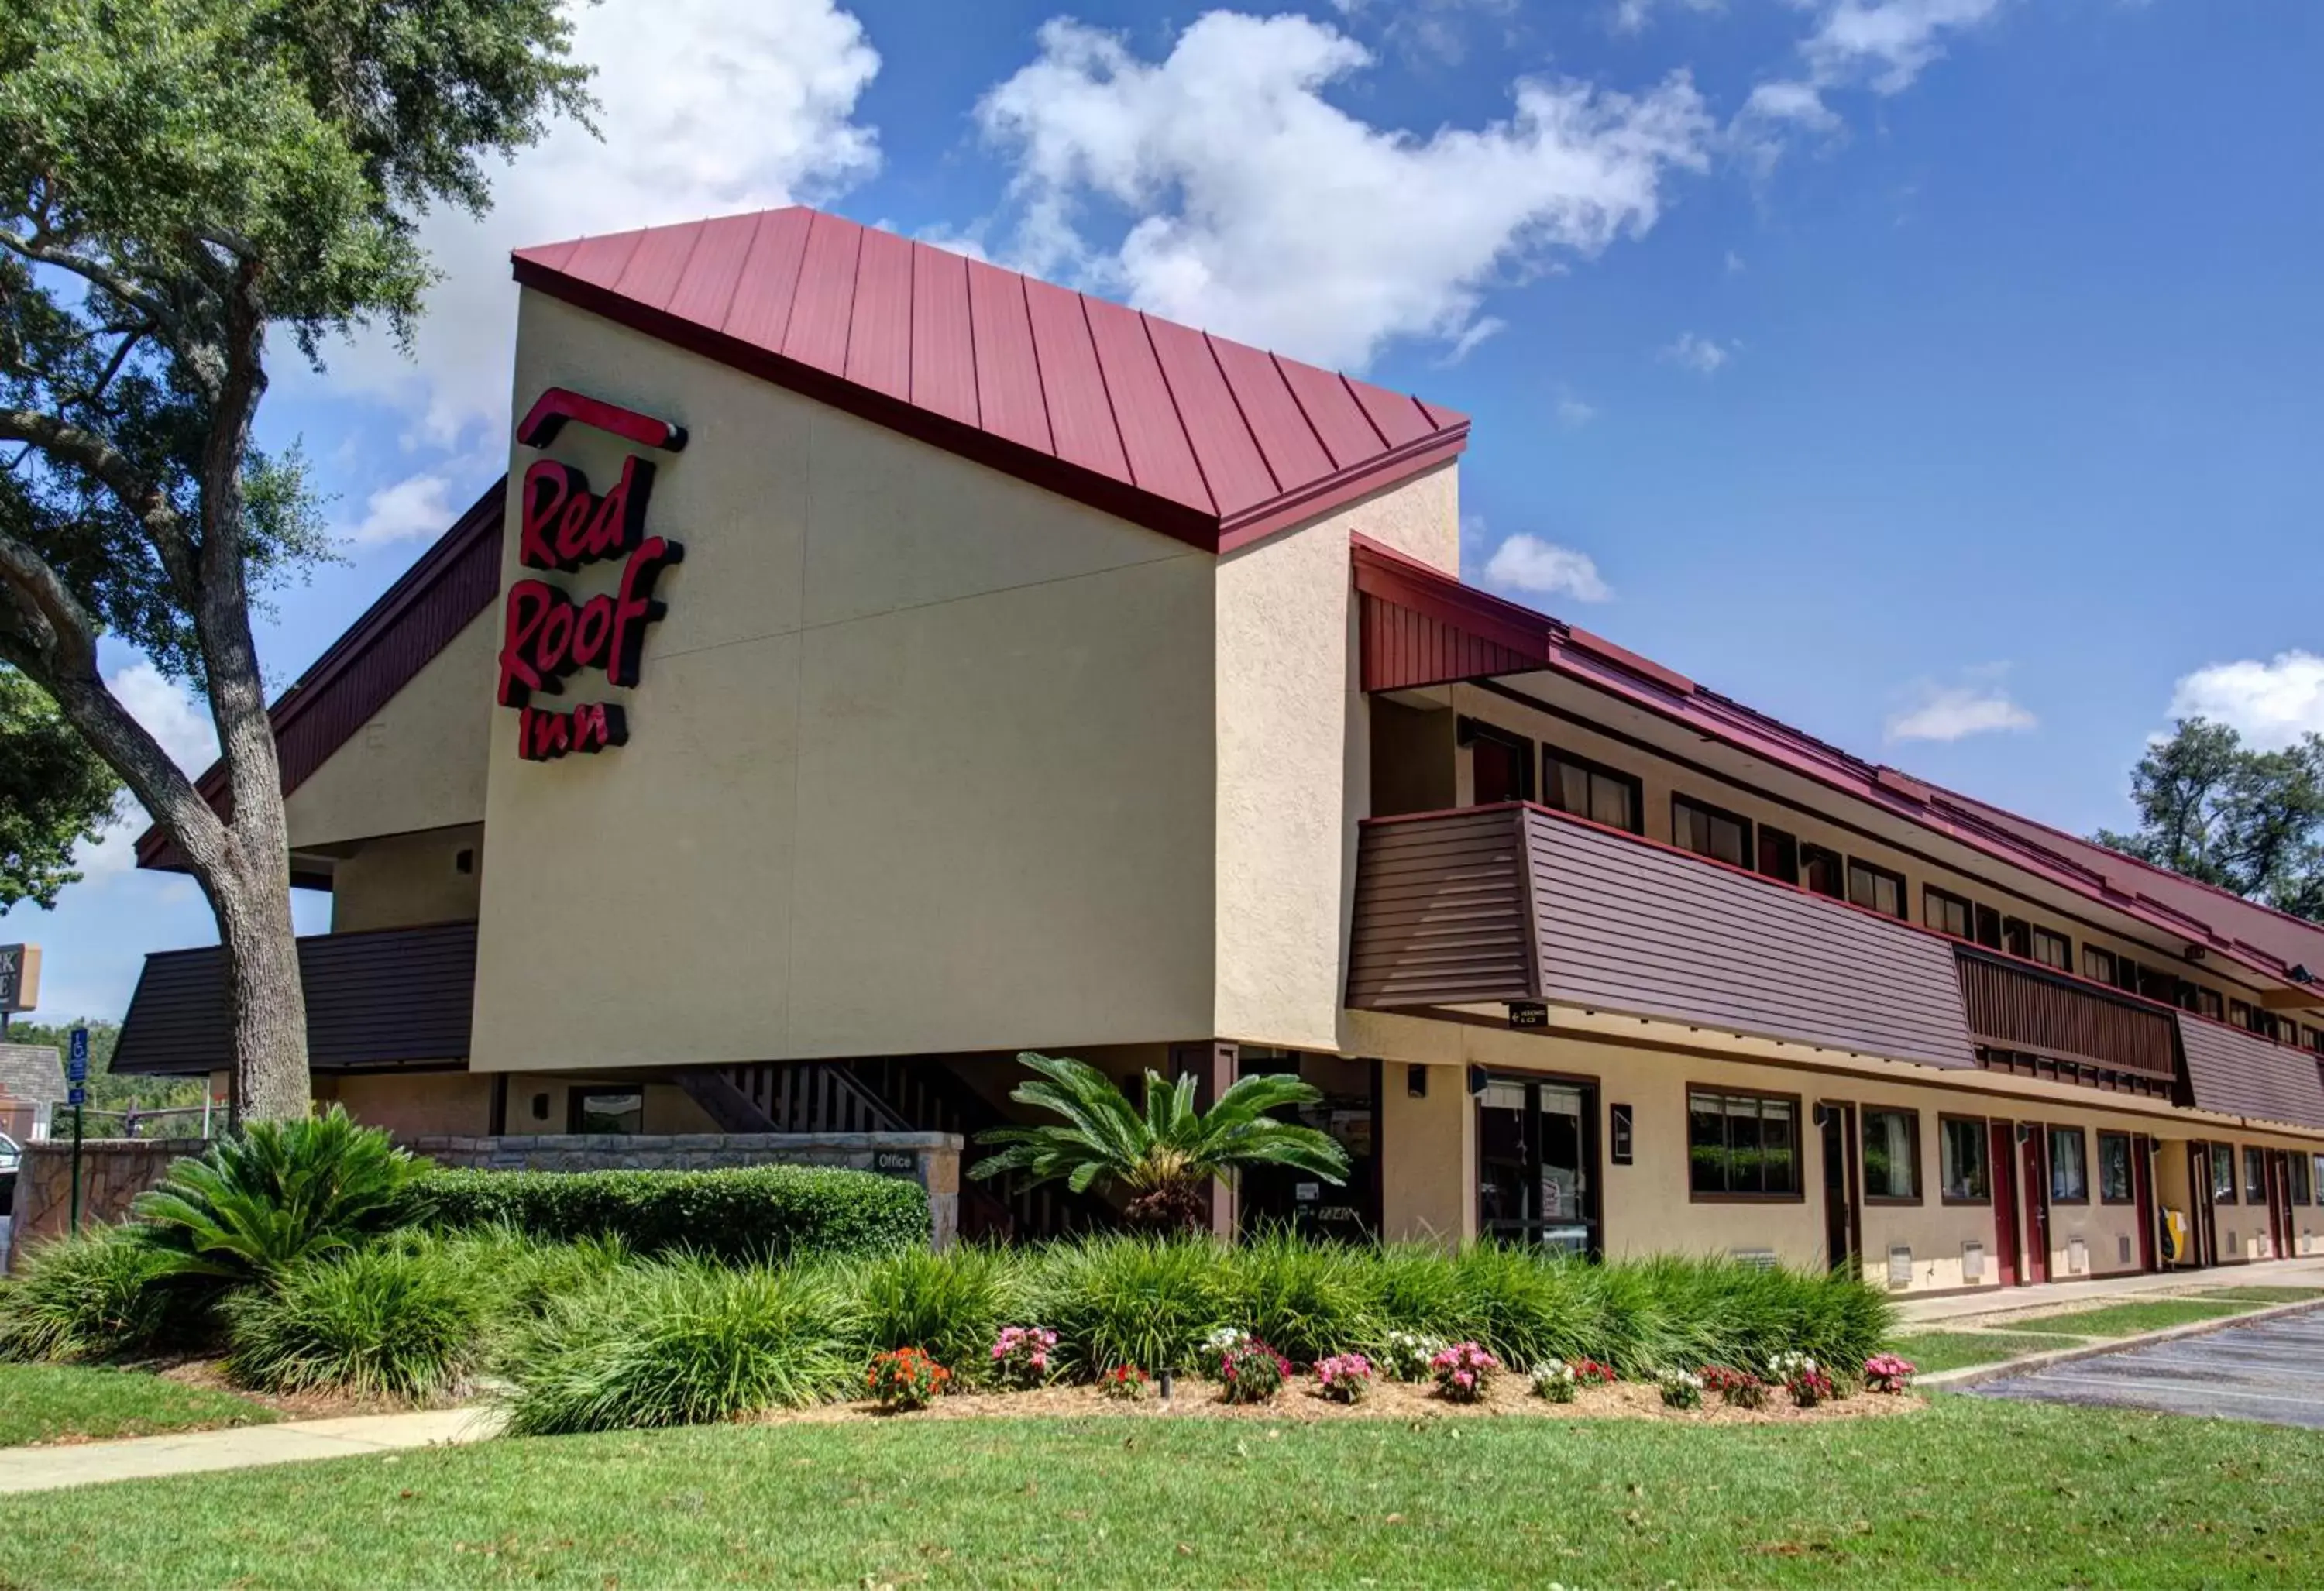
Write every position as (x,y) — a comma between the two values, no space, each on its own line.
(2013,1006)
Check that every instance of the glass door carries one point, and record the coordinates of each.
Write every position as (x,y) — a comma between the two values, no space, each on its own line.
(1537,1164)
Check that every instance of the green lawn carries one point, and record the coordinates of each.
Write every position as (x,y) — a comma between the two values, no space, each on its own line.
(1932,1351)
(1970,1489)
(41,1402)
(2265,1295)
(2125,1319)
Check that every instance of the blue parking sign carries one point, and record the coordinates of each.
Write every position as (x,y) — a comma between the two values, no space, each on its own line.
(76,1058)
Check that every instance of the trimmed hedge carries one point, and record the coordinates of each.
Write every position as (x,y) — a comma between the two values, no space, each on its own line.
(748,1213)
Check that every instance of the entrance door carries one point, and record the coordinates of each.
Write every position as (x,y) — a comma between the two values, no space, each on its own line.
(2142,1187)
(2203,1236)
(2002,1153)
(1537,1164)
(1843,1234)
(2033,1187)
(2279,1203)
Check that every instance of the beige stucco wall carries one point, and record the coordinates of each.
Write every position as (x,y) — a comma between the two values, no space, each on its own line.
(409,1104)
(1290,726)
(403,880)
(419,764)
(921,759)
(1428,1157)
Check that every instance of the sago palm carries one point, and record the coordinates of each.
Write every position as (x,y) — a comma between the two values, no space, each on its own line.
(1161,1157)
(275,1193)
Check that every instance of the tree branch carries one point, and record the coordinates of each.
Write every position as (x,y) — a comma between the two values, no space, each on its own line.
(27,576)
(85,450)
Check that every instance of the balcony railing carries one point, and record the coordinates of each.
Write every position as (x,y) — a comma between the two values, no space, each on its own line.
(2022,1009)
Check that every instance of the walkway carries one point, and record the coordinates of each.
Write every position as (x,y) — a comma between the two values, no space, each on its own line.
(42,1469)
(2264,1372)
(1915,1313)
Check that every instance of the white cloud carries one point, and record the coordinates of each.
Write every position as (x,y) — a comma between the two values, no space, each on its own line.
(1890,41)
(1631,16)
(418,505)
(184,732)
(1735,265)
(1981,706)
(1527,563)
(2271,705)
(1264,212)
(1702,354)
(709,106)
(1573,413)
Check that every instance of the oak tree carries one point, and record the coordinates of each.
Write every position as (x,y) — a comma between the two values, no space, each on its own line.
(2248,821)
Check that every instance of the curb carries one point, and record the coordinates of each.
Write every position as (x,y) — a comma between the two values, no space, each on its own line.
(2025,1365)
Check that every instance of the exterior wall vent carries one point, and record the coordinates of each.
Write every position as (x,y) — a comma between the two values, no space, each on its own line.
(2232,1246)
(1900,1266)
(1972,1262)
(2078,1255)
(2122,1256)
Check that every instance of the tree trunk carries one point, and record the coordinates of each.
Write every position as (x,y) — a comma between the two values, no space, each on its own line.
(264,996)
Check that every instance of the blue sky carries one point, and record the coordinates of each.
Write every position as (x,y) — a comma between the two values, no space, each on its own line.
(1938,375)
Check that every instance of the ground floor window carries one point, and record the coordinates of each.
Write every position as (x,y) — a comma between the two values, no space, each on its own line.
(2113,1168)
(2299,1167)
(608,1111)
(1962,1164)
(2070,1176)
(1277,1195)
(2223,1173)
(1742,1146)
(2316,1164)
(1892,1155)
(2255,1175)
(1536,1162)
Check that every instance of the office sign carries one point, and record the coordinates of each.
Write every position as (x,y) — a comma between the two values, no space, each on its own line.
(20,977)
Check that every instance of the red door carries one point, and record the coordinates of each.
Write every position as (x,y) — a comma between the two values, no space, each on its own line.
(2003,1155)
(2142,1180)
(2279,1203)
(2034,1184)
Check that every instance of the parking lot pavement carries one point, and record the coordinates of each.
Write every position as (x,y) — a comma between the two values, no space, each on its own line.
(2266,1372)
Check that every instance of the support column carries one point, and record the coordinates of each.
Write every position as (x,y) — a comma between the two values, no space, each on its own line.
(1212,1064)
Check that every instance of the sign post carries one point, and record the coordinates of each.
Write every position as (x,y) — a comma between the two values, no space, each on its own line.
(77,1074)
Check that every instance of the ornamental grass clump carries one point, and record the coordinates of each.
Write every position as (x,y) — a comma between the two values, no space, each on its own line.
(103,1295)
(951,1303)
(1886,1373)
(1022,1356)
(1249,1371)
(1343,1378)
(378,1323)
(1464,1372)
(1310,1300)
(1554,1382)
(1129,1300)
(905,1378)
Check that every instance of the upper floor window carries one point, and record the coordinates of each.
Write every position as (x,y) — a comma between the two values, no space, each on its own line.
(1500,764)
(2158,984)
(1589,791)
(2255,1175)
(2203,1002)
(2053,950)
(1742,1146)
(2313,1037)
(2098,965)
(2070,1173)
(1876,889)
(1708,832)
(2017,937)
(1823,871)
(1988,927)
(2241,1014)
(1779,855)
(1947,914)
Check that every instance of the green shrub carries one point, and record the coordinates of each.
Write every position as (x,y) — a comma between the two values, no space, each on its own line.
(277,1193)
(380,1322)
(517,1276)
(1123,1299)
(1415,1289)
(682,1341)
(953,1304)
(749,1213)
(1307,1300)
(100,1296)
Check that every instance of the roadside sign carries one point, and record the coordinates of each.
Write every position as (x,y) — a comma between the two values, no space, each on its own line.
(20,978)
(77,1096)
(76,1056)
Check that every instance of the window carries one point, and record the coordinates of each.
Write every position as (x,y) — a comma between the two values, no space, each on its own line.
(1947,914)
(2313,1037)
(2240,1014)
(1875,887)
(2157,984)
(1892,1156)
(1988,927)
(1742,1146)
(1587,790)
(2316,1165)
(1822,871)
(2205,1002)
(2053,950)
(1961,1166)
(2017,937)
(1708,832)
(2255,1176)
(2098,965)
(608,1111)
(2223,1173)
(2113,1168)
(2126,974)
(1779,855)
(2298,1166)
(1500,764)
(2069,1175)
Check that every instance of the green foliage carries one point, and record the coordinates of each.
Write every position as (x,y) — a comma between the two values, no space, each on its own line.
(1307,1300)
(953,1304)
(108,1093)
(2250,822)
(380,1322)
(278,1193)
(1159,1156)
(54,793)
(83,1402)
(753,1212)
(100,1296)
(679,1342)
(1130,1298)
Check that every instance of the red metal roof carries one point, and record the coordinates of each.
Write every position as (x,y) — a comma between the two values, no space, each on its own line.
(1211,441)
(1422,627)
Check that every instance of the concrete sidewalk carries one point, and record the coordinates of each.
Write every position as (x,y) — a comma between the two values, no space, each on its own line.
(43,1469)
(1995,1305)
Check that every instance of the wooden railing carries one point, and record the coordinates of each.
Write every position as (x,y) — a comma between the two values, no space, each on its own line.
(2014,1006)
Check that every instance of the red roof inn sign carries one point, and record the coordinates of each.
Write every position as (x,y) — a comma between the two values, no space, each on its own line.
(562,527)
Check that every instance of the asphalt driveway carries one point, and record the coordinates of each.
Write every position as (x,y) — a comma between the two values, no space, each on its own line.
(2271,1372)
